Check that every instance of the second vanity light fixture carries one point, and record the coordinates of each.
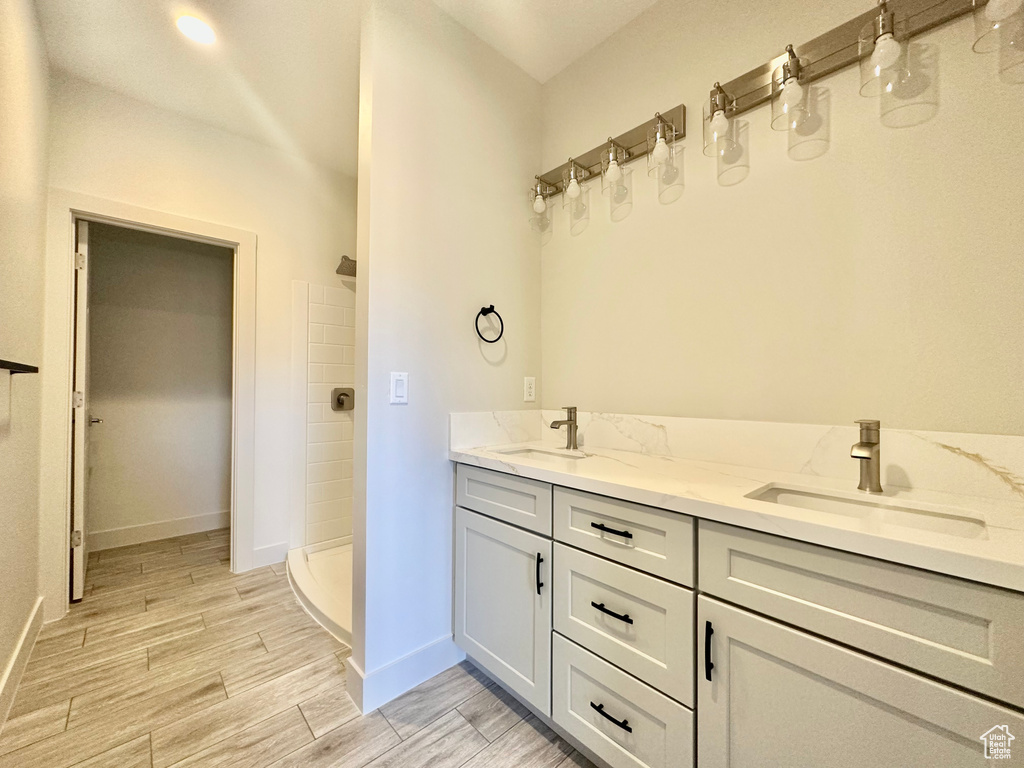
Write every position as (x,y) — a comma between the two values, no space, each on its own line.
(901,73)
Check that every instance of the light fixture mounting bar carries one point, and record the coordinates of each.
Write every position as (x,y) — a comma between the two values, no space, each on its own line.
(838,48)
(634,141)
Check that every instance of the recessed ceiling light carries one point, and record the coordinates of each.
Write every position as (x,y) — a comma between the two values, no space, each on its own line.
(197,29)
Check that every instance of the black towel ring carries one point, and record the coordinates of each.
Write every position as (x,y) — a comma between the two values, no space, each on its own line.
(484,312)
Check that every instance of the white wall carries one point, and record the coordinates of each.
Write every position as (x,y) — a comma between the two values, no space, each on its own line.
(113,147)
(23,116)
(449,135)
(160,351)
(883,280)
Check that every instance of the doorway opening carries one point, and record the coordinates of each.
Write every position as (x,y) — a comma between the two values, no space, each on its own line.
(152,415)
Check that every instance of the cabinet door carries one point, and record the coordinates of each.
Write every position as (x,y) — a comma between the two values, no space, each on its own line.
(779,697)
(503,604)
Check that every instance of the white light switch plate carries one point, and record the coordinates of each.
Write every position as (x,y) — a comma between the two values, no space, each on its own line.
(399,388)
(529,389)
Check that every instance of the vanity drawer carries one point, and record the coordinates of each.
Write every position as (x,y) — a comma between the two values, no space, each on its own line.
(650,539)
(597,703)
(966,633)
(643,625)
(517,500)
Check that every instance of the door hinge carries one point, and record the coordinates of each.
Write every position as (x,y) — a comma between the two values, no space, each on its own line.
(77,399)
(76,538)
(79,261)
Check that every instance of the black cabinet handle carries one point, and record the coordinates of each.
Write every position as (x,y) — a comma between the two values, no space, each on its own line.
(539,582)
(620,616)
(623,724)
(708,666)
(606,529)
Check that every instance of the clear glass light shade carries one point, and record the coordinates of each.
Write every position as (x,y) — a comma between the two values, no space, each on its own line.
(991,19)
(660,140)
(789,101)
(811,138)
(1011,51)
(572,181)
(619,192)
(734,160)
(670,176)
(539,212)
(612,165)
(879,55)
(578,209)
(913,95)
(717,131)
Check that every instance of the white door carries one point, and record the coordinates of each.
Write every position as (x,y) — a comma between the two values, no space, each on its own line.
(779,697)
(503,603)
(81,419)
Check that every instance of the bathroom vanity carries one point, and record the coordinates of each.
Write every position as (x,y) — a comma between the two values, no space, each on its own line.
(689,632)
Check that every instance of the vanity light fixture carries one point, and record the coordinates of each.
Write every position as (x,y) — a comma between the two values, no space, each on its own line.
(617,181)
(665,159)
(789,95)
(576,197)
(571,178)
(991,21)
(716,122)
(540,219)
(879,52)
(196,29)
(611,164)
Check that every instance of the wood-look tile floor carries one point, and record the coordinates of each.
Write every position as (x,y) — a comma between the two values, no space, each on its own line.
(172,660)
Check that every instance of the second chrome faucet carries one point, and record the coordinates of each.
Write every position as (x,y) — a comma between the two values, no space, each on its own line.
(570,422)
(867,453)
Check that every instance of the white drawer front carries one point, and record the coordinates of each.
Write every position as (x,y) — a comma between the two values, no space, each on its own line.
(517,500)
(966,633)
(652,540)
(651,633)
(589,695)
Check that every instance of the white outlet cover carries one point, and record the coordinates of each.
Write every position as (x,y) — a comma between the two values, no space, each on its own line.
(529,389)
(399,388)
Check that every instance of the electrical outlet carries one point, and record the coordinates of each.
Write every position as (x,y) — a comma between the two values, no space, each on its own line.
(529,389)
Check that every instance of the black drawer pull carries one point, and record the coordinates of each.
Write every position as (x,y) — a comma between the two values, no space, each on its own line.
(606,529)
(620,616)
(623,724)
(539,582)
(708,666)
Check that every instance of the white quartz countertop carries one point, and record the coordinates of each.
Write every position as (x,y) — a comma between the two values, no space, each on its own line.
(978,538)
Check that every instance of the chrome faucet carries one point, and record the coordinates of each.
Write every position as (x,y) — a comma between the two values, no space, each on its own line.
(570,422)
(867,453)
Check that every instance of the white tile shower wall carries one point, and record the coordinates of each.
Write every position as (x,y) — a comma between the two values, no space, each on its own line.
(331,363)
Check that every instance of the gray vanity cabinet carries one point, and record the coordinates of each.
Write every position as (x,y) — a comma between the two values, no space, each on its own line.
(657,641)
(778,696)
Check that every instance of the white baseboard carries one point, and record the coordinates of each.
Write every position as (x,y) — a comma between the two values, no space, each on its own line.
(138,534)
(15,665)
(381,686)
(275,553)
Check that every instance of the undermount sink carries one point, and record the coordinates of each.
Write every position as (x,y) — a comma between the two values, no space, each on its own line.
(538,455)
(877,510)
